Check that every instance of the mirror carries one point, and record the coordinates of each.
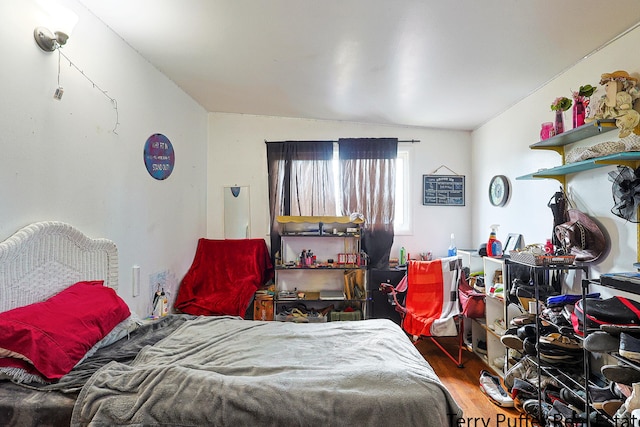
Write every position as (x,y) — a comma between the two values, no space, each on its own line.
(237,216)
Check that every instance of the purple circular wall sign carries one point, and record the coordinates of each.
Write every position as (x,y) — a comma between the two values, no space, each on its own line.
(159,157)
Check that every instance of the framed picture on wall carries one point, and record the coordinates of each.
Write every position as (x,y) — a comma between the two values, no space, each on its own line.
(443,190)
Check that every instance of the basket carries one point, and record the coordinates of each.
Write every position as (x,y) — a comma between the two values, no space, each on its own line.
(546,260)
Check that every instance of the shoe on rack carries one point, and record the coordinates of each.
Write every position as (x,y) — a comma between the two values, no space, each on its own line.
(601,342)
(513,357)
(623,390)
(511,340)
(556,340)
(522,391)
(575,398)
(523,319)
(611,407)
(560,414)
(537,410)
(551,393)
(490,386)
(524,387)
(555,316)
(629,347)
(617,329)
(563,360)
(525,369)
(481,347)
(529,346)
(596,419)
(600,395)
(622,374)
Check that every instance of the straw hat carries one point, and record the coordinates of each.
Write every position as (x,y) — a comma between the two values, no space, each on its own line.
(619,75)
(581,236)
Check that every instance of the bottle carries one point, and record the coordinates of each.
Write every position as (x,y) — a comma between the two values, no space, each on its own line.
(164,304)
(453,251)
(494,246)
(403,259)
(548,247)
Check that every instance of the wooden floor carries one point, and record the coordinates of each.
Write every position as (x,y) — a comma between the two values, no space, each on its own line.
(463,384)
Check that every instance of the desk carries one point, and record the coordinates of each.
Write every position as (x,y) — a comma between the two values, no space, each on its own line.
(379,307)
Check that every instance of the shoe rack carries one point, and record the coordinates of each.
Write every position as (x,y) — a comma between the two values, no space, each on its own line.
(614,358)
(541,276)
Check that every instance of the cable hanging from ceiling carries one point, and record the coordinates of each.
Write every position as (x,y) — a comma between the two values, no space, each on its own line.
(58,93)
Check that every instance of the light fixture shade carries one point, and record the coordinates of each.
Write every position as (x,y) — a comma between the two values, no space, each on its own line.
(45,39)
(235,191)
(61,37)
(49,41)
(56,16)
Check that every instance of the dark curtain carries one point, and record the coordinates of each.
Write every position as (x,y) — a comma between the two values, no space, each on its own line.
(368,171)
(300,181)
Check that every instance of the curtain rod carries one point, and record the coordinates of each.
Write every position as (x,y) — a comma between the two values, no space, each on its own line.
(411,141)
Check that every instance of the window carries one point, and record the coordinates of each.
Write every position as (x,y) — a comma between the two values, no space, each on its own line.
(402,219)
(306,178)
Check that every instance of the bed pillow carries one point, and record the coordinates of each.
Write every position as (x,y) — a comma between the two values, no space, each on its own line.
(121,330)
(48,338)
(18,371)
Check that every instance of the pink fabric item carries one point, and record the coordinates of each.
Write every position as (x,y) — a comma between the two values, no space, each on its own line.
(404,283)
(224,276)
(51,336)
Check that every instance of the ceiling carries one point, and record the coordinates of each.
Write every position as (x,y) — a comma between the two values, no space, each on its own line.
(450,64)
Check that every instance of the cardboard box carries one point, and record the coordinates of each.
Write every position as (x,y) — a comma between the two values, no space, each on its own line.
(263,308)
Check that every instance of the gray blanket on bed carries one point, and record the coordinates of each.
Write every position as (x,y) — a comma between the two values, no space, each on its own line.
(52,404)
(223,371)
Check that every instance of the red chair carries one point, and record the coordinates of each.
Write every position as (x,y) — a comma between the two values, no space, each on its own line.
(224,277)
(431,306)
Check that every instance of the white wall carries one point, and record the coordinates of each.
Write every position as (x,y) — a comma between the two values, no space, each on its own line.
(237,154)
(502,147)
(61,160)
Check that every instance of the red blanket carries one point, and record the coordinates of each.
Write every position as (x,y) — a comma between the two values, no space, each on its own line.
(224,276)
(431,300)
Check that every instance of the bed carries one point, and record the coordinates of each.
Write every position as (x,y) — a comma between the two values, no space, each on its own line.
(192,370)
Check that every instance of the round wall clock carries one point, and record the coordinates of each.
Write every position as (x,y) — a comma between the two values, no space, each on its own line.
(499,190)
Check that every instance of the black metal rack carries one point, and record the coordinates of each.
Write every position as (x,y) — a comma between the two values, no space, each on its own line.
(552,371)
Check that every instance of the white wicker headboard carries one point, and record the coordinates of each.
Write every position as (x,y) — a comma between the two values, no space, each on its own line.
(44,258)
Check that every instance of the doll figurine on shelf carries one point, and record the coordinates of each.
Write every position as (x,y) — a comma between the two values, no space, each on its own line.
(618,102)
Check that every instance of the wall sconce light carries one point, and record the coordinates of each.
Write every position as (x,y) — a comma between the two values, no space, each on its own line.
(235,191)
(54,15)
(49,41)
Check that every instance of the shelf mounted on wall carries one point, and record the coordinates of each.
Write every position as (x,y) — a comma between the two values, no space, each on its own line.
(558,143)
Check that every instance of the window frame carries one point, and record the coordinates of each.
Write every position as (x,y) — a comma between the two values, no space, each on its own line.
(404,226)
